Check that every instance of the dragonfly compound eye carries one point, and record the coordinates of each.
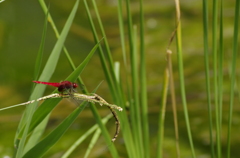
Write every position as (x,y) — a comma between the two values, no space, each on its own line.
(75,85)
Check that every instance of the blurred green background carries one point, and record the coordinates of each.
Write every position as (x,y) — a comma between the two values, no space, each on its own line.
(21,25)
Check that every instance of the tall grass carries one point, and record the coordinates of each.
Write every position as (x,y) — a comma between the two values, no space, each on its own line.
(130,90)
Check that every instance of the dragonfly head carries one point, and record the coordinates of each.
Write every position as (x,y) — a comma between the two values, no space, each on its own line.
(75,85)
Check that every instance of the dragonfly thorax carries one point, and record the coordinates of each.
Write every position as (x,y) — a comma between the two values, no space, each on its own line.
(66,85)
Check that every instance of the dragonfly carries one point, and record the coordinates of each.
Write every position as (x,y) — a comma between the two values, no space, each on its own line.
(69,87)
(62,86)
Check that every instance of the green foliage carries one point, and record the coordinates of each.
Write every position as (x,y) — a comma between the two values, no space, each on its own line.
(128,87)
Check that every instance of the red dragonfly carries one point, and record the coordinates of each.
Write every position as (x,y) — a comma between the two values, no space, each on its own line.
(62,86)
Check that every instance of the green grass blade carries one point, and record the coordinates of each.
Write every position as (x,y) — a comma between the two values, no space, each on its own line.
(220,75)
(125,129)
(162,115)
(127,132)
(44,145)
(143,87)
(233,73)
(121,29)
(181,78)
(134,115)
(221,59)
(36,134)
(134,107)
(207,76)
(215,72)
(183,96)
(173,100)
